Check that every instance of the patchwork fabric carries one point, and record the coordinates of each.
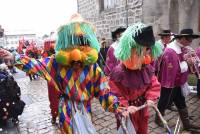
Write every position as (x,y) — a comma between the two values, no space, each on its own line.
(75,86)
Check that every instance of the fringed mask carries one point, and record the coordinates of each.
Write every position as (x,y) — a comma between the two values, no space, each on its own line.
(85,55)
(77,42)
(137,47)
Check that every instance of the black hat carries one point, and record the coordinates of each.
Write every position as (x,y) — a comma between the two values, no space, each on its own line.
(145,37)
(117,31)
(165,33)
(187,33)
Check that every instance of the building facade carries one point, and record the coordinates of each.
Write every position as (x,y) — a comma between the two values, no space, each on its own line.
(11,38)
(1,32)
(107,15)
(1,36)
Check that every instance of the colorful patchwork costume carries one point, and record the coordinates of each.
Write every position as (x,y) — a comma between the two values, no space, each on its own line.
(73,71)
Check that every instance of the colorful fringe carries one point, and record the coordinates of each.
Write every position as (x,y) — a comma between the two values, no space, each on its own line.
(127,42)
(76,34)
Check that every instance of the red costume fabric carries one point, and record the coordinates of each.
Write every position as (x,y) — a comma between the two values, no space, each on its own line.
(149,90)
(52,93)
(53,99)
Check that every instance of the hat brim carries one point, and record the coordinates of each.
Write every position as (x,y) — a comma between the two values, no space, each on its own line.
(117,31)
(165,34)
(194,36)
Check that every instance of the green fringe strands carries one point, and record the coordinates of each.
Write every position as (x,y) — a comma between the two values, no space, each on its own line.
(127,42)
(68,37)
(156,50)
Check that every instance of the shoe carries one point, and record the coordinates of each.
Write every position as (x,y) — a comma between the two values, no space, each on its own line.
(172,108)
(187,125)
(53,120)
(15,121)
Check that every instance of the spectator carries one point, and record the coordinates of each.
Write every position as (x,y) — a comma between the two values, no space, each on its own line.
(102,54)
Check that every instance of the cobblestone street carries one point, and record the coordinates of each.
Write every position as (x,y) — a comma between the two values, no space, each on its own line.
(36,117)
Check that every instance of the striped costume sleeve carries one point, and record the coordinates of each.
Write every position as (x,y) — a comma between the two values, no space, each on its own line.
(102,91)
(35,66)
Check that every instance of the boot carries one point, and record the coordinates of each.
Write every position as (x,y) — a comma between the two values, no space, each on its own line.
(172,108)
(30,77)
(15,121)
(186,122)
(53,120)
(158,120)
(198,88)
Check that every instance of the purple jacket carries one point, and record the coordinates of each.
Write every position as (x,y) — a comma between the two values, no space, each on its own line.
(198,52)
(170,75)
(111,61)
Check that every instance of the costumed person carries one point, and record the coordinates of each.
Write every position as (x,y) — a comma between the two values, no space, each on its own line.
(11,106)
(133,80)
(49,50)
(111,61)
(198,79)
(73,71)
(165,38)
(173,76)
(22,46)
(33,52)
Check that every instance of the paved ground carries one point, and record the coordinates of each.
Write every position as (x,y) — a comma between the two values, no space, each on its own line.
(36,117)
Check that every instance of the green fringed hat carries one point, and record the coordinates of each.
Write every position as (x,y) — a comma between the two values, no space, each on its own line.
(137,36)
(77,32)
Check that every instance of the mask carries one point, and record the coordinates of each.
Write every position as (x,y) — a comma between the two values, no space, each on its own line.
(84,54)
(135,62)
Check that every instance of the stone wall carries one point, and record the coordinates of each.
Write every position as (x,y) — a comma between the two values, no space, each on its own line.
(110,19)
(172,14)
(162,14)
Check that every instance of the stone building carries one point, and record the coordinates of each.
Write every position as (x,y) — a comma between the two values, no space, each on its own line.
(1,36)
(1,32)
(107,15)
(12,38)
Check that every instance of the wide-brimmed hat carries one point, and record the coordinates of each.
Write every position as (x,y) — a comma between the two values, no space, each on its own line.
(165,33)
(145,37)
(117,31)
(187,33)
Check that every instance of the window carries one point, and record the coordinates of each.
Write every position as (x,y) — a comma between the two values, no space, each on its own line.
(107,4)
